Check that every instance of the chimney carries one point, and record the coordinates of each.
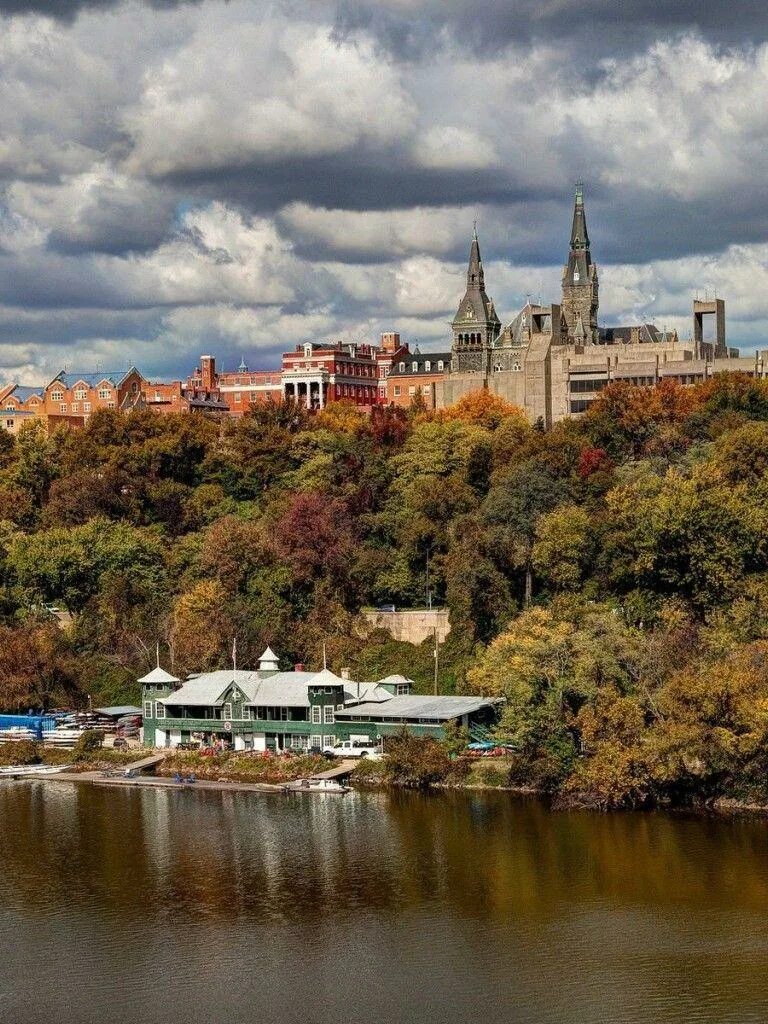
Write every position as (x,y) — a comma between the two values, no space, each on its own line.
(345,673)
(208,373)
(299,666)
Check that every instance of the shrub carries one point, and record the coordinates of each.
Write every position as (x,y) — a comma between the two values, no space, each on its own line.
(19,752)
(416,761)
(88,742)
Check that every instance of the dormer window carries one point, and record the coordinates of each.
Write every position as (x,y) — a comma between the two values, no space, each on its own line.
(56,396)
(440,364)
(402,367)
(308,351)
(415,366)
(427,366)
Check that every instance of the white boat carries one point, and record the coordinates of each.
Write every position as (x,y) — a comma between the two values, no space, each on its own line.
(16,733)
(20,770)
(62,737)
(315,786)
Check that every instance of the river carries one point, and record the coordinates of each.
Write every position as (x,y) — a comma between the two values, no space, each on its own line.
(159,906)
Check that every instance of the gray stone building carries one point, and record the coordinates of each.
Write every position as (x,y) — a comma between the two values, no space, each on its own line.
(553,361)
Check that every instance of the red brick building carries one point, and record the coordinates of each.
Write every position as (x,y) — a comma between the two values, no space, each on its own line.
(70,398)
(416,373)
(238,389)
(314,374)
(317,373)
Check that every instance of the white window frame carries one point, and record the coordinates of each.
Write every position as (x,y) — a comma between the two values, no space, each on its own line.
(159,710)
(329,714)
(56,396)
(427,367)
(227,711)
(246,713)
(86,406)
(148,709)
(329,741)
(315,741)
(316,715)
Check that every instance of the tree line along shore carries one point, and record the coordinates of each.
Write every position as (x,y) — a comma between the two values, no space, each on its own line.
(608,577)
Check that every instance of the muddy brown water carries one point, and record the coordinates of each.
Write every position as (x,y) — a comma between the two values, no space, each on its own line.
(166,906)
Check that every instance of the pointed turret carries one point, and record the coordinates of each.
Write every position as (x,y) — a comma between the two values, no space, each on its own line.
(580,295)
(268,662)
(476,325)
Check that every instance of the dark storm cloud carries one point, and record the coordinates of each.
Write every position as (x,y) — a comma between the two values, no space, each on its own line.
(591,27)
(338,184)
(65,10)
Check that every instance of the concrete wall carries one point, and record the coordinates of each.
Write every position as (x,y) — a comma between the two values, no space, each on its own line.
(413,625)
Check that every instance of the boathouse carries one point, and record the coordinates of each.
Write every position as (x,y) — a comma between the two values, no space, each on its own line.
(268,709)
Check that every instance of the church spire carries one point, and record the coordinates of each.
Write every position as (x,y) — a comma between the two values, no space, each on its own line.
(475,276)
(579,234)
(476,325)
(580,289)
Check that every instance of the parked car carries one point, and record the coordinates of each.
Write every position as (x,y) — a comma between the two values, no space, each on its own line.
(120,743)
(351,748)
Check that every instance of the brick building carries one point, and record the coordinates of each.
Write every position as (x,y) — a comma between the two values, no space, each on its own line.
(239,389)
(317,373)
(313,374)
(416,373)
(70,398)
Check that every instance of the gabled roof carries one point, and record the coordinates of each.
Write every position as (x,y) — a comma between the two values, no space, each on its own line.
(23,392)
(210,688)
(114,378)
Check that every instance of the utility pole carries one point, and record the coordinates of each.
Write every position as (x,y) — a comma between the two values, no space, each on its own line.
(435,655)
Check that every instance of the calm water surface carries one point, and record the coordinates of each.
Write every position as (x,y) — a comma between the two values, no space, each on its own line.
(165,906)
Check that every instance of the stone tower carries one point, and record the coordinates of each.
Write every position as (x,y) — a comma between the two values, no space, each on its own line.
(475,326)
(580,281)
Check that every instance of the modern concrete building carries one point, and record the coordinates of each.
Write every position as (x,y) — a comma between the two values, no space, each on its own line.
(273,710)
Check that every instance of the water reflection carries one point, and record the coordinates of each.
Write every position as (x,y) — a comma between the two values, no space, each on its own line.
(417,907)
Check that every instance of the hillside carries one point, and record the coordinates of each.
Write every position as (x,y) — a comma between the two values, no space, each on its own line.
(609,576)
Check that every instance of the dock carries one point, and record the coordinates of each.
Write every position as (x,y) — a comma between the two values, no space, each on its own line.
(136,767)
(339,771)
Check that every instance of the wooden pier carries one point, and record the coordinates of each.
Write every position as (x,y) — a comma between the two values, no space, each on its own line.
(136,767)
(339,771)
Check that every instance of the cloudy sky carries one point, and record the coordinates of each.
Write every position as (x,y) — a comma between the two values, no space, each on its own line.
(237,177)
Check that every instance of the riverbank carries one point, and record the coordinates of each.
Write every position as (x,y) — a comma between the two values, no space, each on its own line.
(235,771)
